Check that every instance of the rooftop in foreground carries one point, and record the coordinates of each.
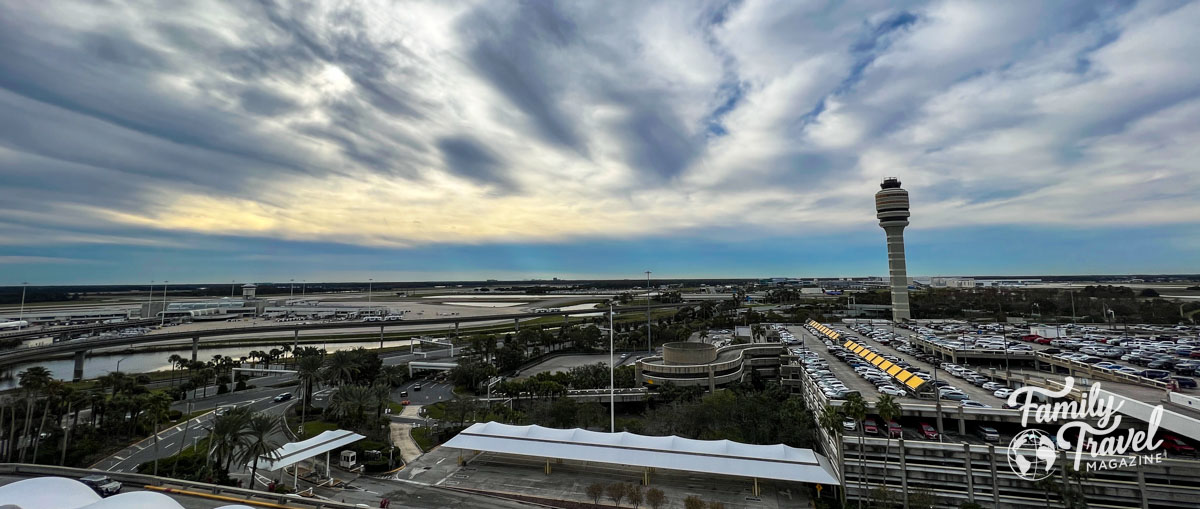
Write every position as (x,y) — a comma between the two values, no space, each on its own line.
(779,462)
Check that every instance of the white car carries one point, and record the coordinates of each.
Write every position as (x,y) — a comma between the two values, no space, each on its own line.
(1003,393)
(849,424)
(891,390)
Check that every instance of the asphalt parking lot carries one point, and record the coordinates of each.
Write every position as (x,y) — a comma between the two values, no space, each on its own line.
(838,367)
(974,392)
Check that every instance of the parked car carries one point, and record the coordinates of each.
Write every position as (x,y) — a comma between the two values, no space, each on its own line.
(891,390)
(849,424)
(894,429)
(416,387)
(988,434)
(929,432)
(974,404)
(1184,382)
(1176,445)
(869,427)
(1003,393)
(283,397)
(102,485)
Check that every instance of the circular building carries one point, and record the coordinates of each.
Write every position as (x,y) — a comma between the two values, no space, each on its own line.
(694,363)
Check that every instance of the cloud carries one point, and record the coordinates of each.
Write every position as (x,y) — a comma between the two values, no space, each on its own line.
(416,123)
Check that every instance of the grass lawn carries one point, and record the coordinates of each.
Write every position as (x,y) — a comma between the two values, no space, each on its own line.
(423,438)
(397,408)
(435,411)
(314,428)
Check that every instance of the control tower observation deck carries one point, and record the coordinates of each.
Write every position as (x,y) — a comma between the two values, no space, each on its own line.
(891,207)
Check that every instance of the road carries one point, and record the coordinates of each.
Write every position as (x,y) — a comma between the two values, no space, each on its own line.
(170,440)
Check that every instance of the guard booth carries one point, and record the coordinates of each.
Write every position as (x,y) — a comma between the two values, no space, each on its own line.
(349,459)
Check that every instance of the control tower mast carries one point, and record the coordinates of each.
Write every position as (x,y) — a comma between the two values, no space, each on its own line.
(891,207)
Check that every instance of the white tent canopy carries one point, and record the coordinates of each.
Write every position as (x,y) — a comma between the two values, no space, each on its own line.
(63,493)
(722,457)
(295,452)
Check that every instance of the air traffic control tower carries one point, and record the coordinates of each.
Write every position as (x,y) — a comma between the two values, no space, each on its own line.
(891,206)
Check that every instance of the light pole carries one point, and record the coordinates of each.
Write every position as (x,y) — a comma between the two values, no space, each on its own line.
(303,287)
(21,317)
(119,363)
(369,283)
(232,286)
(612,377)
(649,345)
(150,300)
(162,321)
(291,290)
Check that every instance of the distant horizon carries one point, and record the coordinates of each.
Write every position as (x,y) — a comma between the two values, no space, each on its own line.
(492,281)
(513,140)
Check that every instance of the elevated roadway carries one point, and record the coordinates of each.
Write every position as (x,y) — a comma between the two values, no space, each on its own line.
(80,347)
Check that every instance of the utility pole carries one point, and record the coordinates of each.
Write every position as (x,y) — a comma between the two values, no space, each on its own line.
(21,317)
(649,345)
(150,299)
(369,282)
(612,377)
(232,287)
(163,320)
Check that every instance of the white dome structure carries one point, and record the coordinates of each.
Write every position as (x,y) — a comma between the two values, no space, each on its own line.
(63,493)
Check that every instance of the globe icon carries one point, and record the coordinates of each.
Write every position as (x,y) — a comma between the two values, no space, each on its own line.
(1031,455)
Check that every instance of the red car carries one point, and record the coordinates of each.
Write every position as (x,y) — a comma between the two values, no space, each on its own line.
(1030,337)
(870,427)
(1195,354)
(1043,341)
(1177,445)
(894,429)
(928,431)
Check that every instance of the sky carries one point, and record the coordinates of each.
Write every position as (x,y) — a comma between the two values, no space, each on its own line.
(438,140)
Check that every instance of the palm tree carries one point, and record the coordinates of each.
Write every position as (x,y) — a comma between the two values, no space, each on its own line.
(226,436)
(157,407)
(176,361)
(52,391)
(340,367)
(259,442)
(32,381)
(856,409)
(350,404)
(392,376)
(888,409)
(308,370)
(758,331)
(382,393)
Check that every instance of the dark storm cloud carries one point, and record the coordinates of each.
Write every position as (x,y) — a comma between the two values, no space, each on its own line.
(512,51)
(467,157)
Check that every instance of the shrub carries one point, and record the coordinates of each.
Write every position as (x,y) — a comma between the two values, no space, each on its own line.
(655,498)
(595,491)
(616,492)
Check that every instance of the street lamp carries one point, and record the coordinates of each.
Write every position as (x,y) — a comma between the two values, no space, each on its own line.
(369,283)
(612,377)
(150,299)
(291,289)
(649,345)
(21,317)
(162,321)
(119,363)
